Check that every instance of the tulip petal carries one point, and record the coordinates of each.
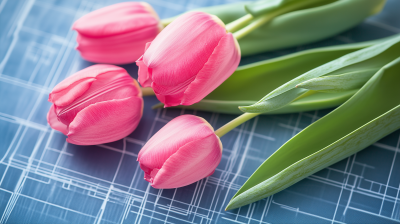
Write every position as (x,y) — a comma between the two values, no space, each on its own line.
(144,73)
(118,33)
(120,49)
(192,162)
(147,46)
(73,91)
(54,122)
(171,96)
(101,122)
(169,100)
(221,64)
(174,59)
(170,138)
(122,91)
(150,175)
(74,86)
(116,19)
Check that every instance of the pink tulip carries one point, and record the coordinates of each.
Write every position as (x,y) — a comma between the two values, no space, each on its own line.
(98,104)
(117,34)
(189,59)
(182,152)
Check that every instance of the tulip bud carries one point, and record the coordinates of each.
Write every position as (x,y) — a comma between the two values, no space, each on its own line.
(96,105)
(189,59)
(182,152)
(117,34)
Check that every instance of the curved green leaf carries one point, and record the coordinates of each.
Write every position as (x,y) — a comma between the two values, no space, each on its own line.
(372,57)
(372,113)
(316,101)
(308,25)
(338,83)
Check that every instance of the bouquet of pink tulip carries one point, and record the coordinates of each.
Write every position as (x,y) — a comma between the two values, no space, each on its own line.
(193,58)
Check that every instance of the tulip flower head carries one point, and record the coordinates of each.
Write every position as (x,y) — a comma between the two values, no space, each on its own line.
(184,151)
(96,105)
(189,59)
(117,34)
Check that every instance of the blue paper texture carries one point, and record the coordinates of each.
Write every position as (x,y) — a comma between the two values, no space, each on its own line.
(45,180)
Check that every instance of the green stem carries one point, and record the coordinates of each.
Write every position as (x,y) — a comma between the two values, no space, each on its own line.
(261,20)
(147,91)
(239,23)
(234,123)
(252,26)
(158,105)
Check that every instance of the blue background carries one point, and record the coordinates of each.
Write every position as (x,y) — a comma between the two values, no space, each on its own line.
(45,180)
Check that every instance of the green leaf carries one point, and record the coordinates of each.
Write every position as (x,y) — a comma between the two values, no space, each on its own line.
(372,57)
(372,113)
(308,25)
(338,83)
(314,102)
(251,82)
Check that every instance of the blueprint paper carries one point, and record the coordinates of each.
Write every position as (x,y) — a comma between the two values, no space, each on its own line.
(45,180)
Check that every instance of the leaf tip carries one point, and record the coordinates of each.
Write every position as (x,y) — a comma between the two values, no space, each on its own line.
(232,204)
(243,108)
(251,109)
(300,85)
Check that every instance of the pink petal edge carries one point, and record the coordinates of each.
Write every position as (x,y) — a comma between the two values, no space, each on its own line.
(222,63)
(54,122)
(75,85)
(144,73)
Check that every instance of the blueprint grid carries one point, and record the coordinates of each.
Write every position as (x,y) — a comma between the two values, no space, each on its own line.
(45,180)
